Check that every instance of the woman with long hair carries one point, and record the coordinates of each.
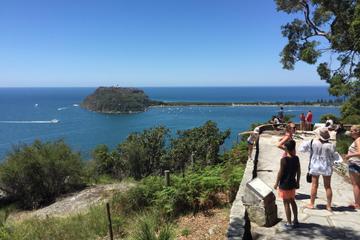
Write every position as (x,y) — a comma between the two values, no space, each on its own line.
(353,159)
(289,131)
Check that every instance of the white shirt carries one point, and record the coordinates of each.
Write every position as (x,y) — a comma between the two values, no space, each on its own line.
(323,157)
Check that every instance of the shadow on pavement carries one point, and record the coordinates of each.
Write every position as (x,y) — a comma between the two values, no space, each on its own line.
(301,196)
(337,209)
(316,231)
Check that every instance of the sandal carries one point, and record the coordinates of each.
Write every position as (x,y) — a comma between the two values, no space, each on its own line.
(309,206)
(354,206)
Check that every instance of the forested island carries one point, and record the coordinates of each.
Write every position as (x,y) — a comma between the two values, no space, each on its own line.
(118,100)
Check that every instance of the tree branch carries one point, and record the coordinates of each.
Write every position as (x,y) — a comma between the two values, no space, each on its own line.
(318,32)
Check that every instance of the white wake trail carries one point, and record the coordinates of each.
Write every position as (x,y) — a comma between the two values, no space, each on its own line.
(27,122)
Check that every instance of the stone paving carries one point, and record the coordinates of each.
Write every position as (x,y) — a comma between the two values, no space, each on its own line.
(342,223)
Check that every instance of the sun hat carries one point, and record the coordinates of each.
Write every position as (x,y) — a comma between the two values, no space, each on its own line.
(323,134)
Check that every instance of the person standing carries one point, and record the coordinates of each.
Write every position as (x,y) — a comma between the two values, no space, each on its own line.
(322,157)
(302,122)
(288,179)
(251,140)
(289,131)
(308,120)
(353,159)
(281,115)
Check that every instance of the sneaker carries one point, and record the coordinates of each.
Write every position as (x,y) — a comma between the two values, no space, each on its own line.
(296,224)
(288,226)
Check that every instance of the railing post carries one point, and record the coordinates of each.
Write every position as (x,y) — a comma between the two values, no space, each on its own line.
(167,178)
(109,219)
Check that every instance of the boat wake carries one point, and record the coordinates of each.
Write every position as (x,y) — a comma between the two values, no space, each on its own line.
(22,122)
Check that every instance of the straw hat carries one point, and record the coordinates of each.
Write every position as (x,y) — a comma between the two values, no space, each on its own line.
(323,134)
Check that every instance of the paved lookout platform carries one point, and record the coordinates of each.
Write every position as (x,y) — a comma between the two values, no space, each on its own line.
(342,223)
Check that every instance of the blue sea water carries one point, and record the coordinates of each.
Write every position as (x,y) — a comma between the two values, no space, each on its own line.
(26,113)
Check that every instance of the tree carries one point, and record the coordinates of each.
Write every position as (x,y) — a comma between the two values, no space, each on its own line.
(143,152)
(202,142)
(326,27)
(107,163)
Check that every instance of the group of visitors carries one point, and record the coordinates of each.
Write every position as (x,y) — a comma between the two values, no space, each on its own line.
(306,121)
(322,158)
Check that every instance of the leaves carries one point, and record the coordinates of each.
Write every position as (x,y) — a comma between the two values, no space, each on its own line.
(334,23)
(36,174)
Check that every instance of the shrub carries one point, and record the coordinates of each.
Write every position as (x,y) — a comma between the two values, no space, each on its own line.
(325,117)
(149,227)
(138,197)
(142,152)
(233,176)
(202,143)
(106,163)
(288,117)
(36,174)
(342,144)
(195,191)
(351,119)
(237,154)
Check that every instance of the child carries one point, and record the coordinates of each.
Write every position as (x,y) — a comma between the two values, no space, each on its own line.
(289,169)
(251,140)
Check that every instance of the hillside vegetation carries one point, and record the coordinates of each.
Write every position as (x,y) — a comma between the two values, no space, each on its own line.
(201,179)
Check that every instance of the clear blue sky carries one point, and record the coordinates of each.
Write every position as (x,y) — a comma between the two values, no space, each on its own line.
(144,43)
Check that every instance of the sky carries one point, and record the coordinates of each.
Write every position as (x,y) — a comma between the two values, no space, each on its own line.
(139,43)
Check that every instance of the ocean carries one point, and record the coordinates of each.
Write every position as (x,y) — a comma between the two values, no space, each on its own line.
(27,114)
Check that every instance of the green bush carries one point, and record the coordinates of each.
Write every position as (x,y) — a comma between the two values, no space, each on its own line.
(197,190)
(36,174)
(325,117)
(351,119)
(150,227)
(139,197)
(238,154)
(233,176)
(106,164)
(288,117)
(342,144)
(142,153)
(201,144)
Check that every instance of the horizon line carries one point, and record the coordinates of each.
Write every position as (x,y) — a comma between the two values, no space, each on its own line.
(161,86)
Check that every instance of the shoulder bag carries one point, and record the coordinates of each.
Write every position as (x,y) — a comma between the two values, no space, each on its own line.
(308,175)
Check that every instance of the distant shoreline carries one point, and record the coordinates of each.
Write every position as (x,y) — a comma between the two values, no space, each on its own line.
(242,104)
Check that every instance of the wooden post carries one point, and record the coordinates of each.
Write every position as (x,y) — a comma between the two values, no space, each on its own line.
(109,219)
(167,178)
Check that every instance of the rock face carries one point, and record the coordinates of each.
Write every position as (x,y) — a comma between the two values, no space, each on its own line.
(74,203)
(117,100)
